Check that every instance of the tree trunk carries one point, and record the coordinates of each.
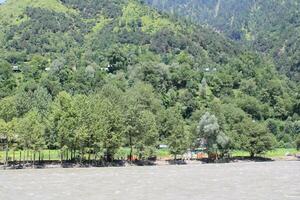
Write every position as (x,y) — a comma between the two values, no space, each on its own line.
(24,154)
(109,155)
(80,157)
(61,157)
(20,156)
(74,154)
(131,149)
(71,154)
(49,151)
(31,157)
(33,162)
(6,156)
(27,159)
(252,154)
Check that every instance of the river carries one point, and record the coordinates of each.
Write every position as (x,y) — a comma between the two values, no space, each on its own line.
(235,181)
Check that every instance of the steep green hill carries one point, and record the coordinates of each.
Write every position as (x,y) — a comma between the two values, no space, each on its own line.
(271,27)
(64,64)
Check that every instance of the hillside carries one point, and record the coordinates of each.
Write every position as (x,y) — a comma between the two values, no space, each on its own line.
(93,76)
(270,27)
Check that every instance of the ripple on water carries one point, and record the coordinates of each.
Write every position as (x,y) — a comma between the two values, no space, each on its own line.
(249,181)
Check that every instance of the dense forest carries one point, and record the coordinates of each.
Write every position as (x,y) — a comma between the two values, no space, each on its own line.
(94,76)
(270,27)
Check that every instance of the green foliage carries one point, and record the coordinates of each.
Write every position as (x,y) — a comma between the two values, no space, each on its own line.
(8,109)
(140,122)
(209,130)
(7,83)
(97,76)
(4,132)
(174,131)
(255,138)
(30,131)
(267,26)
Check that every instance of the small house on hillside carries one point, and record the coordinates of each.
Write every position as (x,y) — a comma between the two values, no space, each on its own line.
(163,146)
(16,68)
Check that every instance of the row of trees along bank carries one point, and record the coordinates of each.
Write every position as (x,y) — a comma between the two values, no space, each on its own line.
(98,125)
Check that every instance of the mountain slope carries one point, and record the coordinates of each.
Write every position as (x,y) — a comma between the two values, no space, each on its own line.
(80,47)
(271,27)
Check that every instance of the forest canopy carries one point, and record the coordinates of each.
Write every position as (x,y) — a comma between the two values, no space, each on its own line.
(269,27)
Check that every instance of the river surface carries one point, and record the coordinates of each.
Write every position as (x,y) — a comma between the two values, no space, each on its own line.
(237,181)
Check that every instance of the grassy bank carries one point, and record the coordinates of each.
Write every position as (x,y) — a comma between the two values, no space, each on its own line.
(270,154)
(54,155)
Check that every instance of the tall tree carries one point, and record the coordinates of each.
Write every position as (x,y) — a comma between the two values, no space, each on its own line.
(255,137)
(63,121)
(173,131)
(31,132)
(209,129)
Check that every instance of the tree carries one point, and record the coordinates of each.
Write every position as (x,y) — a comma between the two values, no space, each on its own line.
(255,137)
(107,125)
(140,107)
(253,107)
(83,132)
(173,131)
(209,130)
(140,131)
(63,121)
(41,101)
(31,132)
(131,128)
(4,138)
(8,109)
(117,59)
(223,142)
(148,140)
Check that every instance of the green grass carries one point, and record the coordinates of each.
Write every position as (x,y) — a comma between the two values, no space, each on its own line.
(163,153)
(270,154)
(122,153)
(54,155)
(281,152)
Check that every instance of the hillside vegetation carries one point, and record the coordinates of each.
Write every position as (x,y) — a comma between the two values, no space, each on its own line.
(270,27)
(90,77)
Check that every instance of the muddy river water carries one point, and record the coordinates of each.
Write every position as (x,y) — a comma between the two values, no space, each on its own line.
(236,181)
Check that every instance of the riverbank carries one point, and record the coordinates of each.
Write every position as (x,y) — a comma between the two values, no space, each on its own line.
(161,162)
(161,154)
